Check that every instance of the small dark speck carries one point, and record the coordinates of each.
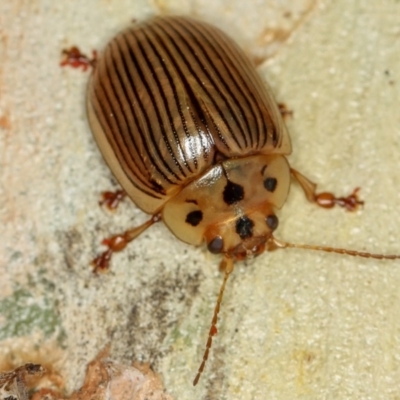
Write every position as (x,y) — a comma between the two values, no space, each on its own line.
(263,169)
(191,201)
(387,73)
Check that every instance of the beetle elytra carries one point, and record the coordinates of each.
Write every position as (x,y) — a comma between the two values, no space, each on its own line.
(196,139)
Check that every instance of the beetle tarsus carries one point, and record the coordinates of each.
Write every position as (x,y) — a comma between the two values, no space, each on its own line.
(102,262)
(76,59)
(111,200)
(118,242)
(327,199)
(350,203)
(114,243)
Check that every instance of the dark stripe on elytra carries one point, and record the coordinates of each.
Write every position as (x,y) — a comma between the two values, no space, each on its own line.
(198,79)
(210,65)
(146,138)
(127,67)
(227,85)
(190,94)
(199,114)
(167,104)
(101,99)
(111,99)
(235,72)
(161,94)
(154,112)
(274,136)
(236,79)
(130,146)
(197,62)
(244,227)
(105,126)
(241,66)
(177,71)
(161,157)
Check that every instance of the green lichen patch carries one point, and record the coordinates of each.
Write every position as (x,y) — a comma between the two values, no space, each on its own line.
(21,314)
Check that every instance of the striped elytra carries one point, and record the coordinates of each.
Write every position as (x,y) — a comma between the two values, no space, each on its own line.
(171,97)
(195,138)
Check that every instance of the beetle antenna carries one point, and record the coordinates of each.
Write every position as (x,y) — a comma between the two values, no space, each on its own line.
(354,253)
(227,265)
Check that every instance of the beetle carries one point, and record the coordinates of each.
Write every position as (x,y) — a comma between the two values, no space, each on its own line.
(196,139)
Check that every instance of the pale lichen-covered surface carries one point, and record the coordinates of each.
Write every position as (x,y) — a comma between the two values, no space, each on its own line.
(294,324)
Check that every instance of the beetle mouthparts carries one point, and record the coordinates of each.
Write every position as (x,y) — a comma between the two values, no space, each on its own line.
(249,248)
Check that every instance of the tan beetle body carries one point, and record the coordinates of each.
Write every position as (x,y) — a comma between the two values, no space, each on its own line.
(196,139)
(180,114)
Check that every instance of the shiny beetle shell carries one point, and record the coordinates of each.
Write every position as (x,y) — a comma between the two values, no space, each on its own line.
(191,131)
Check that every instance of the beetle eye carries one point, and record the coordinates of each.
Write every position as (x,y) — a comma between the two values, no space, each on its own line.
(272,222)
(216,245)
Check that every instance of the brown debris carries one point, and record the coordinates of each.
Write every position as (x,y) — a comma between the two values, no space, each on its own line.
(14,384)
(108,380)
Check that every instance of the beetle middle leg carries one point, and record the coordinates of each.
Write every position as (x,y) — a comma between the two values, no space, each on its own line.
(285,111)
(118,242)
(111,200)
(327,199)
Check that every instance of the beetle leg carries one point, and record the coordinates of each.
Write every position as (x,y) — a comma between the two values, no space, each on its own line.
(118,242)
(285,112)
(111,200)
(75,58)
(327,199)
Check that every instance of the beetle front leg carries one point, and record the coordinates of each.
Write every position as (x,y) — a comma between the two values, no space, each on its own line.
(118,242)
(76,59)
(327,199)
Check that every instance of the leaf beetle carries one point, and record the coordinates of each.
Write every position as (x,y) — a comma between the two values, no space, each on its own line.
(195,138)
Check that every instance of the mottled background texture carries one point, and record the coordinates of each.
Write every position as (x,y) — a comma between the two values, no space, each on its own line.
(294,324)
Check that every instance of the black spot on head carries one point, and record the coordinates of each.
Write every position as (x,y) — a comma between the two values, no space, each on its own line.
(194,217)
(233,193)
(244,227)
(272,222)
(216,245)
(270,184)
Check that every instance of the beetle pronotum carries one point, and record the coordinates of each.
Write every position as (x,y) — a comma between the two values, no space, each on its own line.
(195,139)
